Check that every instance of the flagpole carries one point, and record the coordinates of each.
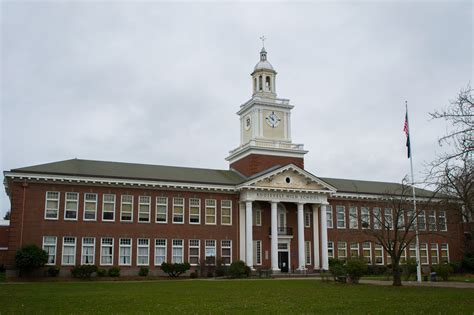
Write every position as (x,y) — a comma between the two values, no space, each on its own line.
(417,240)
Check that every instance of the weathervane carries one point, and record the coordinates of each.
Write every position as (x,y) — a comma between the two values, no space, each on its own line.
(263,38)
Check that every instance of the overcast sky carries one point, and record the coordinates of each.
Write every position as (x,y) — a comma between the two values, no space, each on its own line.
(160,83)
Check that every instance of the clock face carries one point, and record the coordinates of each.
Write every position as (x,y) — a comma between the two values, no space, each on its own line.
(273,120)
(247,122)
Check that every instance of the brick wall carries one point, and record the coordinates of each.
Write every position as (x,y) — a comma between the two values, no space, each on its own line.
(256,163)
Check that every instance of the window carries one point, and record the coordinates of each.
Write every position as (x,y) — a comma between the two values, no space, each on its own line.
(69,251)
(88,251)
(400,219)
(412,250)
(444,253)
(226,212)
(403,256)
(71,206)
(388,217)
(108,207)
(378,250)
(432,220)
(442,221)
(107,251)
(49,245)
(307,249)
(194,211)
(143,252)
(258,217)
(177,252)
(367,251)
(90,207)
(424,254)
(125,251)
(210,252)
(307,219)
(377,218)
(329,217)
(52,205)
(434,254)
(365,218)
(422,221)
(126,208)
(194,250)
(341,250)
(354,250)
(210,211)
(161,209)
(178,210)
(331,249)
(144,207)
(160,251)
(341,217)
(411,219)
(353,218)
(226,252)
(257,252)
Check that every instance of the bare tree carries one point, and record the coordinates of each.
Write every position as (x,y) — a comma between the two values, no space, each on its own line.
(394,224)
(7,216)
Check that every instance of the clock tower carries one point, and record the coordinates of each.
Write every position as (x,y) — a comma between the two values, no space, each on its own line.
(265,126)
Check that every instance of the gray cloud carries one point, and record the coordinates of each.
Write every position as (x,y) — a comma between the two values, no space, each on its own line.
(160,83)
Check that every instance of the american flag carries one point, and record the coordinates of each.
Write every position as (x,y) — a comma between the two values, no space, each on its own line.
(407,133)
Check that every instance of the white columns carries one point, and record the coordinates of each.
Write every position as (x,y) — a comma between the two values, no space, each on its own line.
(301,251)
(274,227)
(242,243)
(316,264)
(324,238)
(248,234)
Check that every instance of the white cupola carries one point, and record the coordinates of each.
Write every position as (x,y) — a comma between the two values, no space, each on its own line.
(263,77)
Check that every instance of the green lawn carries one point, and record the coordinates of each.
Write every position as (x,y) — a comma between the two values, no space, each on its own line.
(229,296)
(453,278)
(2,277)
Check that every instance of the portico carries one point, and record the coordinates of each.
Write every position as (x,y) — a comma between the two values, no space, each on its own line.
(305,197)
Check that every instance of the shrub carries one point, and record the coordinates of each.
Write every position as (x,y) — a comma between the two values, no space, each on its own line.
(468,262)
(143,271)
(220,270)
(443,271)
(114,272)
(376,269)
(194,275)
(457,266)
(338,271)
(409,268)
(83,271)
(238,269)
(53,271)
(2,268)
(29,258)
(356,268)
(175,270)
(101,272)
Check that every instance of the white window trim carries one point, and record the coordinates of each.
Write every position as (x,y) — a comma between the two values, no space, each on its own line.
(343,247)
(230,212)
(65,205)
(205,211)
(165,246)
(447,251)
(354,218)
(258,252)
(156,210)
(55,249)
(390,215)
(194,206)
(179,205)
(199,251)
(258,217)
(108,202)
(46,205)
(107,245)
(125,246)
(148,250)
(377,214)
(210,247)
(307,219)
(437,253)
(337,218)
(422,214)
(75,251)
(445,228)
(331,247)
(435,221)
(372,260)
(427,252)
(331,212)
(88,245)
(307,247)
(96,206)
(368,218)
(351,249)
(177,246)
(121,207)
(379,247)
(225,247)
(140,203)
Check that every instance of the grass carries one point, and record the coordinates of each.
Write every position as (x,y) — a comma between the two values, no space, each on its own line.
(2,277)
(453,278)
(229,296)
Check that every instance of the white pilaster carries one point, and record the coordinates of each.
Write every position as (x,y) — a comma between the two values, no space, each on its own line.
(324,238)
(248,234)
(274,227)
(316,264)
(301,251)
(242,231)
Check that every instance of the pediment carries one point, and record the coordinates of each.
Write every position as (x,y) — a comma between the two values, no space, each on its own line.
(289,177)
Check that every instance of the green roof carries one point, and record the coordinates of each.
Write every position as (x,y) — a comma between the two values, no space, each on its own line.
(77,167)
(90,168)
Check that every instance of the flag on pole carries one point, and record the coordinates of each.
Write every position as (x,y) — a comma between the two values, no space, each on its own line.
(407,133)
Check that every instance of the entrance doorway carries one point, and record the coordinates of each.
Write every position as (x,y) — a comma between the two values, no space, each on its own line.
(283,261)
